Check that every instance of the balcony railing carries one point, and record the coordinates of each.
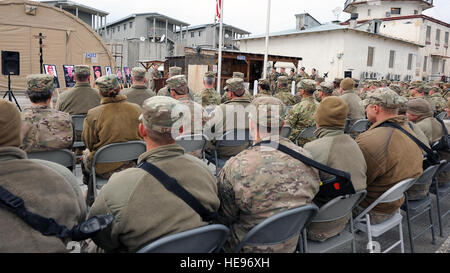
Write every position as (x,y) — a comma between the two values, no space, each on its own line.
(348,2)
(160,32)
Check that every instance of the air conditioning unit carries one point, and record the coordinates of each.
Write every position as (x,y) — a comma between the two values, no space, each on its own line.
(372,75)
(388,77)
(366,74)
(388,14)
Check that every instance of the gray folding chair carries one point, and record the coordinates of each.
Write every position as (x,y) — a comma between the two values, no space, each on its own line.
(78,123)
(63,157)
(191,143)
(441,193)
(233,138)
(307,133)
(280,227)
(205,239)
(415,208)
(359,127)
(442,115)
(335,209)
(347,125)
(113,153)
(362,221)
(286,131)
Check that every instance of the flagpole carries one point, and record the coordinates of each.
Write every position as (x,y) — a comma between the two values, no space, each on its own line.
(219,69)
(266,55)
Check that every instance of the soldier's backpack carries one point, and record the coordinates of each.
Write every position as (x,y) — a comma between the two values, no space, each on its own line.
(444,143)
(340,185)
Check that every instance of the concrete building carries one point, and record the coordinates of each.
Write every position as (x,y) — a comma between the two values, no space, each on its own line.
(207,36)
(143,36)
(336,50)
(93,17)
(405,20)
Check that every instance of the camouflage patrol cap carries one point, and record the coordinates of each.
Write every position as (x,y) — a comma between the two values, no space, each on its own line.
(338,80)
(138,73)
(269,112)
(82,70)
(283,80)
(263,81)
(384,97)
(210,74)
(425,89)
(374,83)
(179,84)
(396,88)
(239,75)
(326,87)
(320,79)
(403,105)
(107,83)
(307,85)
(236,85)
(161,113)
(174,70)
(40,83)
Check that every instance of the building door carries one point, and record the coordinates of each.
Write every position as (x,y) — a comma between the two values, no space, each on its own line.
(435,67)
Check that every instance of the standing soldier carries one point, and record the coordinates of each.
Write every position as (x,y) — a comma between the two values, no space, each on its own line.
(153,76)
(348,94)
(273,76)
(325,90)
(301,116)
(44,128)
(138,92)
(284,93)
(263,89)
(173,71)
(210,96)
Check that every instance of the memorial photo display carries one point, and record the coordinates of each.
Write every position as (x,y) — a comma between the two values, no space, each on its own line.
(69,71)
(108,70)
(119,75)
(97,72)
(51,70)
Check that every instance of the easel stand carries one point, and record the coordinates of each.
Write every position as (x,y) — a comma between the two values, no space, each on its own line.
(11,94)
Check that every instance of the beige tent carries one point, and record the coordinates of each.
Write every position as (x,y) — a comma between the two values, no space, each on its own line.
(69,41)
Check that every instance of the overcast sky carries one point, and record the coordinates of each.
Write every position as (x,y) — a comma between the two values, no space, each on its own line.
(249,15)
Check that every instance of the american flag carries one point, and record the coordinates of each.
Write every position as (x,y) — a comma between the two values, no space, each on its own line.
(218,9)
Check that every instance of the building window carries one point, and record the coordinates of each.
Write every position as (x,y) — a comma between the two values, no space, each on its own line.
(425,61)
(199,34)
(131,24)
(118,28)
(391,59)
(368,12)
(396,11)
(446,39)
(443,66)
(370,56)
(192,34)
(438,37)
(416,12)
(113,30)
(428,39)
(410,59)
(107,31)
(124,27)
(184,36)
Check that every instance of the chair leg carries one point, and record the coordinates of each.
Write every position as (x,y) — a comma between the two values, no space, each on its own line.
(433,236)
(369,233)
(305,241)
(352,230)
(439,210)
(402,245)
(408,221)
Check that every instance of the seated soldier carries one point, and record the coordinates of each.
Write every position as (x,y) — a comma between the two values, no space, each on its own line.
(114,121)
(247,95)
(144,210)
(338,150)
(261,181)
(43,187)
(391,156)
(284,92)
(138,92)
(44,128)
(227,117)
(349,95)
(210,97)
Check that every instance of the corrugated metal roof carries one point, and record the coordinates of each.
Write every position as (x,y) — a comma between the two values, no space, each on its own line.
(150,14)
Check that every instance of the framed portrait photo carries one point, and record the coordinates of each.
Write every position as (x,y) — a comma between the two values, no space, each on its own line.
(97,72)
(127,72)
(69,72)
(119,74)
(108,70)
(50,69)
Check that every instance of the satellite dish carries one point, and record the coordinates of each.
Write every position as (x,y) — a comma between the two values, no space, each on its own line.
(163,37)
(337,11)
(142,39)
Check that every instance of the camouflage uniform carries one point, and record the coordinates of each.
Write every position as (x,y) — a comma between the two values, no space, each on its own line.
(138,93)
(301,116)
(261,182)
(284,93)
(247,95)
(210,96)
(273,82)
(439,101)
(44,128)
(173,71)
(153,75)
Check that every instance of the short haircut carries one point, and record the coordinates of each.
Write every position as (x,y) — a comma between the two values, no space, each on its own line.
(160,138)
(38,97)
(82,77)
(209,80)
(265,86)
(110,93)
(391,111)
